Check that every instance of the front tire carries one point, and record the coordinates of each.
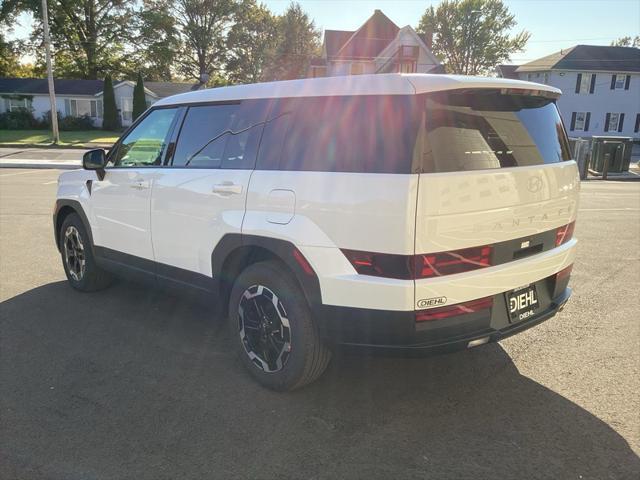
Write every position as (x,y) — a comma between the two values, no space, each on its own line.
(273,329)
(80,265)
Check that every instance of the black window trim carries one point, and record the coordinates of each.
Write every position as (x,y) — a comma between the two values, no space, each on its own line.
(114,150)
(176,135)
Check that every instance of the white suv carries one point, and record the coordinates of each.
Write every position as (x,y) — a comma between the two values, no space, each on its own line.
(402,212)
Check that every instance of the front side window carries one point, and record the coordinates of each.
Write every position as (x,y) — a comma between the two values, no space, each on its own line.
(146,144)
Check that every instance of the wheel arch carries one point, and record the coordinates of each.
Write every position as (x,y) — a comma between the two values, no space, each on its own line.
(235,252)
(63,209)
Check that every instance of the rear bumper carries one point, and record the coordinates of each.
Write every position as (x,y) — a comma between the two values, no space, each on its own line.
(390,331)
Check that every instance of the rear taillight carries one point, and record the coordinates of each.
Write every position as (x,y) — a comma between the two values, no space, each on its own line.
(454,310)
(448,263)
(564,233)
(408,267)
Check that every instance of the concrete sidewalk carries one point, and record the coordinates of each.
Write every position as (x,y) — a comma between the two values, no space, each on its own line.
(62,158)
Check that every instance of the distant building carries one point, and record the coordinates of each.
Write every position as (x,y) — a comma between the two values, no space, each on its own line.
(600,87)
(79,98)
(378,46)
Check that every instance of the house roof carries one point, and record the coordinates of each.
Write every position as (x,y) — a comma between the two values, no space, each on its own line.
(165,89)
(335,39)
(366,42)
(40,86)
(508,71)
(85,87)
(588,57)
(374,84)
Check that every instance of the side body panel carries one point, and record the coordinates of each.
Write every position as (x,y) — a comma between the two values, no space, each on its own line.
(191,210)
(120,210)
(340,210)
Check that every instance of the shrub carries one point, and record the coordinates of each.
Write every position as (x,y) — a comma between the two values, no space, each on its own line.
(139,98)
(18,120)
(68,123)
(110,117)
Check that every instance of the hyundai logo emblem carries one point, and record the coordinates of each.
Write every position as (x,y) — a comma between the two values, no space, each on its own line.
(534,184)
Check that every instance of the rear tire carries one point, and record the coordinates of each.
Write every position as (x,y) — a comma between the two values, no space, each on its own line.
(76,250)
(273,329)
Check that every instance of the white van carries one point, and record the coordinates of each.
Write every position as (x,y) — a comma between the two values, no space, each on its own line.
(404,212)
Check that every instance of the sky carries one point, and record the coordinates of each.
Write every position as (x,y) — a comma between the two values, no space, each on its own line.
(554,24)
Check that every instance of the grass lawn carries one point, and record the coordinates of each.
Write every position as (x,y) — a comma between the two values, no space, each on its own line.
(66,138)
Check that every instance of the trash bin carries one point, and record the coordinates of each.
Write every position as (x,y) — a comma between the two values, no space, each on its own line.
(618,149)
(580,149)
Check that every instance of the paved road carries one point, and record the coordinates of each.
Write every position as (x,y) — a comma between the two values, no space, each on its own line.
(134,384)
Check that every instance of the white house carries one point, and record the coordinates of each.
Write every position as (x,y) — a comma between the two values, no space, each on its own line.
(78,98)
(378,46)
(600,87)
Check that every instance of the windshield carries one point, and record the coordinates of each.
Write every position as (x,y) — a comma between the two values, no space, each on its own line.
(481,129)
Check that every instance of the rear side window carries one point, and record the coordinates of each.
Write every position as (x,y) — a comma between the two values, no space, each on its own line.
(485,129)
(220,136)
(368,134)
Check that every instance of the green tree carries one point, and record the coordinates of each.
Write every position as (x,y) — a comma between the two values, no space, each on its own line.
(89,34)
(9,57)
(158,40)
(627,42)
(472,36)
(139,98)
(298,41)
(252,41)
(110,117)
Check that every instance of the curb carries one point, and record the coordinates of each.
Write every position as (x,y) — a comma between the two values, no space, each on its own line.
(51,164)
(73,146)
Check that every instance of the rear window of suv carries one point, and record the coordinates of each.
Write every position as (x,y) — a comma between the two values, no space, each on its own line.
(485,129)
(429,133)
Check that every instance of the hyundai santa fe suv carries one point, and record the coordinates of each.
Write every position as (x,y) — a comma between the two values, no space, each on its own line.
(412,213)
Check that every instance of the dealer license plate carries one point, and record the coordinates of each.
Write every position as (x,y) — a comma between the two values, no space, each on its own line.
(522,303)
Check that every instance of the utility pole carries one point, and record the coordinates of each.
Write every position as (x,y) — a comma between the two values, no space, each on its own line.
(52,91)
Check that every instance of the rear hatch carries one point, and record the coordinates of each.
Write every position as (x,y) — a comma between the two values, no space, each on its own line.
(495,170)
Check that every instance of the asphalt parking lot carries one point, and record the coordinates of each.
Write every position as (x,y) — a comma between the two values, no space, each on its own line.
(130,383)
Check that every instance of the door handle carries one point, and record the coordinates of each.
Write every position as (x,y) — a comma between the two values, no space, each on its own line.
(227,188)
(140,184)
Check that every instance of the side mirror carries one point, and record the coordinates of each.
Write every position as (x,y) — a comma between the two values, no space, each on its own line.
(95,160)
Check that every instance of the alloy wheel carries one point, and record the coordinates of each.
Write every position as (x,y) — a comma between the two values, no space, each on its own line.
(264,328)
(74,253)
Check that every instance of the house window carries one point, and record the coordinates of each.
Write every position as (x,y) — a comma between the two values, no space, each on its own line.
(613,122)
(83,107)
(620,82)
(17,104)
(407,67)
(545,78)
(127,108)
(409,51)
(636,129)
(357,68)
(585,83)
(581,123)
